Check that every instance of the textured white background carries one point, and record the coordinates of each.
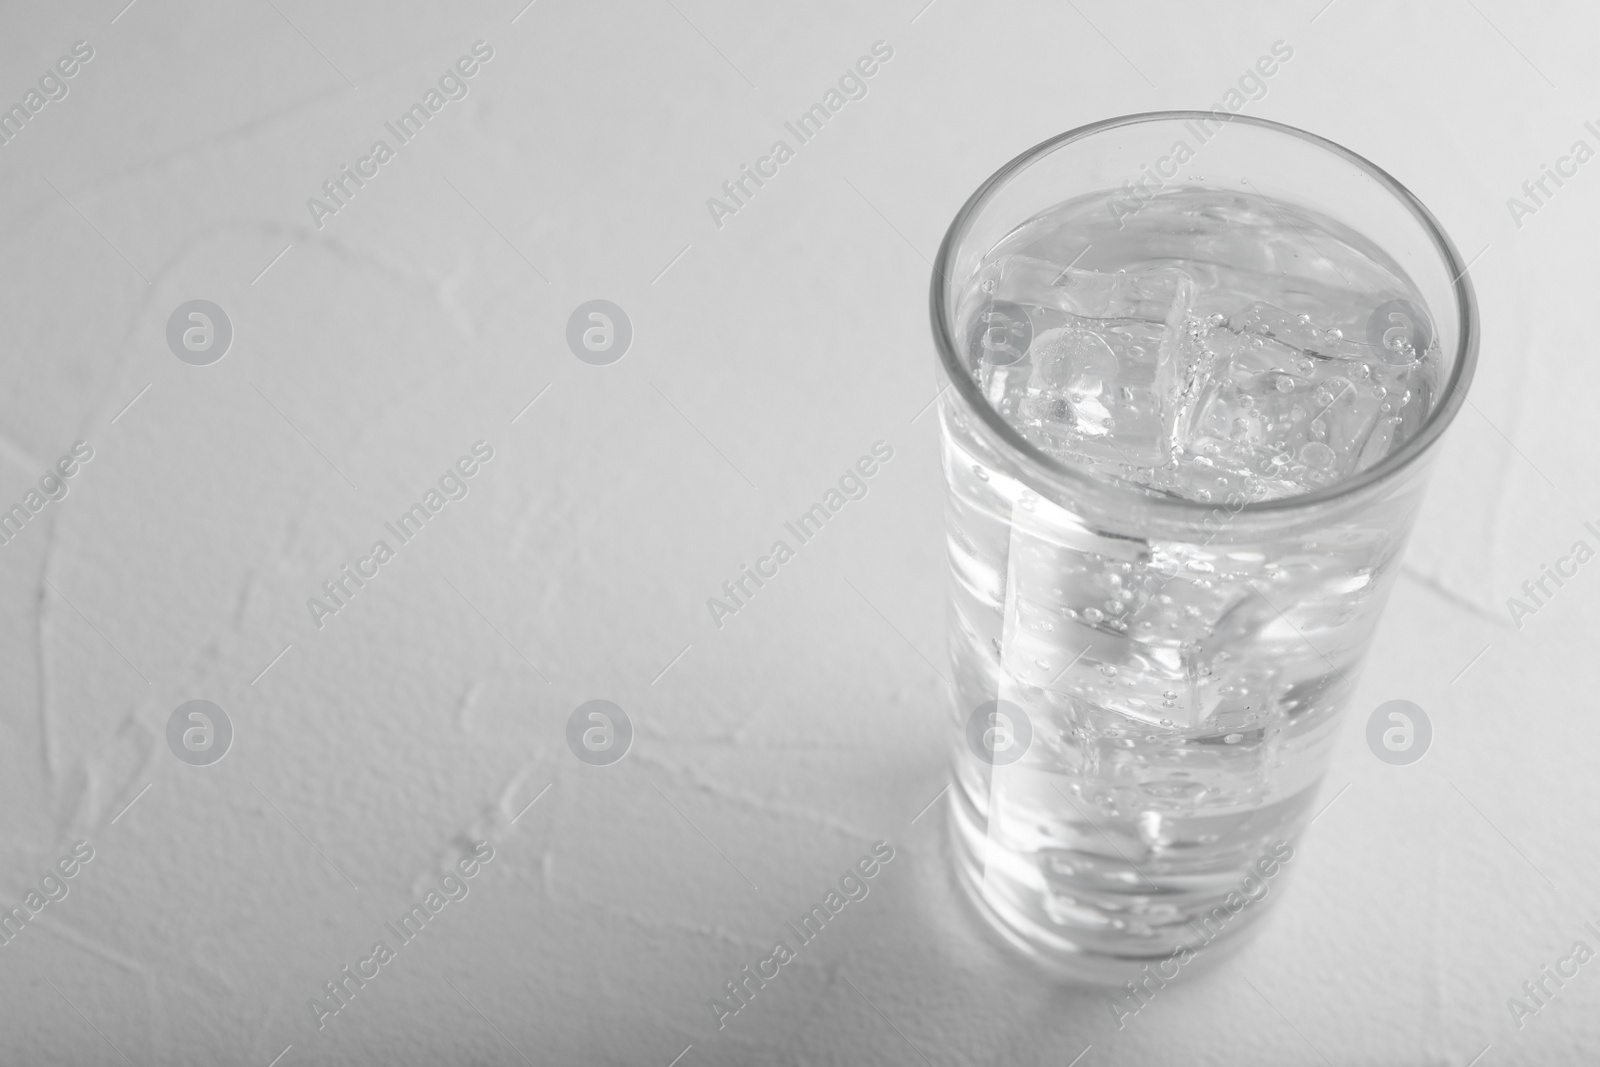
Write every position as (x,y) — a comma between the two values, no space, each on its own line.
(765,360)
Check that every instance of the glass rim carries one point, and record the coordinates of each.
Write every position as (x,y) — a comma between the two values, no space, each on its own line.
(1450,399)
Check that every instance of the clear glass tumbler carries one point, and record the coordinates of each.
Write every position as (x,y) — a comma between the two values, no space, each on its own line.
(1128,793)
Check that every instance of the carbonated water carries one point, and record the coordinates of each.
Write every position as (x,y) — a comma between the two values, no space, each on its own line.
(1141,719)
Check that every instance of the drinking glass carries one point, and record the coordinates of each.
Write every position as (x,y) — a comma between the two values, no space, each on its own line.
(1124,796)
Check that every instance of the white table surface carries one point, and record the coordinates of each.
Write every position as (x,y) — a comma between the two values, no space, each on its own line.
(774,351)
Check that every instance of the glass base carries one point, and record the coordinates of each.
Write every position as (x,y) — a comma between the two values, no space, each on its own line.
(1091,952)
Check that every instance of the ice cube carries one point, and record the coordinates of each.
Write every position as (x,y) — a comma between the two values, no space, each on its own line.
(1106,360)
(1121,624)
(1071,593)
(1090,397)
(1149,295)
(1290,407)
(1075,372)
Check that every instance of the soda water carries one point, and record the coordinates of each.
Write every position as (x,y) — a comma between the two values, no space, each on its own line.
(1141,719)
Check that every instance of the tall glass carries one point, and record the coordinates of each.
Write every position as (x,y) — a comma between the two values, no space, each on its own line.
(1128,794)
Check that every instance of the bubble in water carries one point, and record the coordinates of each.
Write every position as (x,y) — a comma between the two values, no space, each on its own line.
(1108,670)
(1233,739)
(1284,383)
(982,474)
(1167,723)
(1336,334)
(1092,616)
